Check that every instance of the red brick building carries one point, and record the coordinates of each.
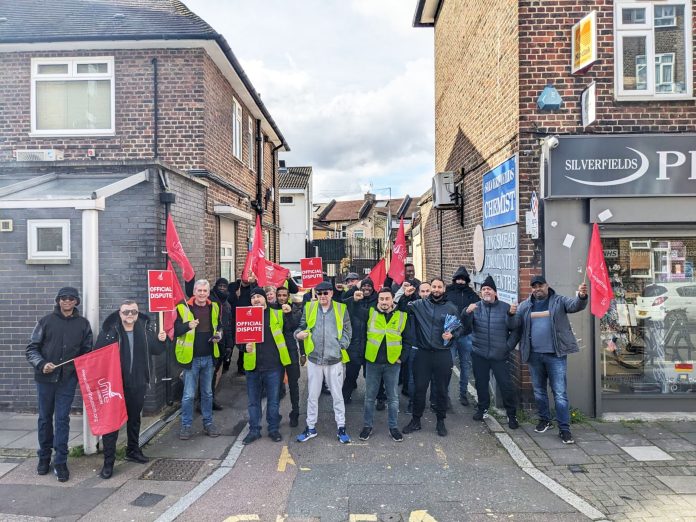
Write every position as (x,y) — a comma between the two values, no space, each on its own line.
(619,141)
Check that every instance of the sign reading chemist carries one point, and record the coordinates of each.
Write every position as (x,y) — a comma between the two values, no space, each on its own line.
(622,165)
(500,195)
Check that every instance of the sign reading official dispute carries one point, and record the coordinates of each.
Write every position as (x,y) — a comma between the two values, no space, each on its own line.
(312,273)
(160,290)
(500,187)
(249,324)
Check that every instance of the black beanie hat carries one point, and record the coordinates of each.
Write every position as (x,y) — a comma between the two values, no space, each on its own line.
(223,281)
(257,290)
(367,282)
(489,282)
(70,292)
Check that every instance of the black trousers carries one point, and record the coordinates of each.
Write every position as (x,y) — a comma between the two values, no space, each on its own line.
(135,398)
(435,366)
(293,371)
(482,374)
(352,373)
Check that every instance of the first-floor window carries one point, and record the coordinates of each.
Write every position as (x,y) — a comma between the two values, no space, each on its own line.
(48,239)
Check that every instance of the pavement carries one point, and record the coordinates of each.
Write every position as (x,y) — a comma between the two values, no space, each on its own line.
(481,471)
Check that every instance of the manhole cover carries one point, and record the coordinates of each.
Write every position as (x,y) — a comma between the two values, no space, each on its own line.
(147,500)
(171,469)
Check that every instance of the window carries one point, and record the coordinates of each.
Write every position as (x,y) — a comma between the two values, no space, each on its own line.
(72,96)
(236,129)
(251,142)
(287,200)
(360,233)
(48,240)
(653,50)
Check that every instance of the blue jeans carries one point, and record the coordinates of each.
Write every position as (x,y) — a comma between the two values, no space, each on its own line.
(461,347)
(55,399)
(270,380)
(548,368)
(201,371)
(374,373)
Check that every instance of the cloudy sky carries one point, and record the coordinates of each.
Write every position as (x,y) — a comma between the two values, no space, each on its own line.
(349,83)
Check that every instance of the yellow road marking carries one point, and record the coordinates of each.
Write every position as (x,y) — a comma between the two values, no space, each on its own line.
(420,515)
(285,459)
(363,518)
(441,456)
(241,518)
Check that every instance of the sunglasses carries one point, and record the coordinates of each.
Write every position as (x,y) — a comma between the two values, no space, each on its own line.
(67,298)
(323,292)
(129,312)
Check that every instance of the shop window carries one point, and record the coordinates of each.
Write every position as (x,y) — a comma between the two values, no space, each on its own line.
(48,241)
(648,336)
(653,50)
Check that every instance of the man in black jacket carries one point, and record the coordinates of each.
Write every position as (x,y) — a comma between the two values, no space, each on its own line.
(57,338)
(462,295)
(291,318)
(433,360)
(240,295)
(220,294)
(493,323)
(137,340)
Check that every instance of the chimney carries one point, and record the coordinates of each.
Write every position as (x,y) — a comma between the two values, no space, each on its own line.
(369,197)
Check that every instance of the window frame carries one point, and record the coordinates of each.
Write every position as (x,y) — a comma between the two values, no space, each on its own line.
(237,119)
(647,29)
(250,137)
(72,75)
(291,202)
(34,255)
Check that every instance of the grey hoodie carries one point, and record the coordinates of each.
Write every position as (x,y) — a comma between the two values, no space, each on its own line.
(327,345)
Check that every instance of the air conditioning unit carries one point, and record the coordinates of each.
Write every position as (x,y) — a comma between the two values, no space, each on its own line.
(39,155)
(443,188)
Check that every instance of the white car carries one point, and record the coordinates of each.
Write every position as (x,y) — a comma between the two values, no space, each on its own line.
(659,298)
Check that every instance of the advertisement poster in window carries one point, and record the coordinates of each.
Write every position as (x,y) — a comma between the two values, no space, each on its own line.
(584,43)
(588,102)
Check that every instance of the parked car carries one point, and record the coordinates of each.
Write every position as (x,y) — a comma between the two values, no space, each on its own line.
(658,299)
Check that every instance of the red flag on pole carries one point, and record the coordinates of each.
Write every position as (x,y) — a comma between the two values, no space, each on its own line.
(378,274)
(257,252)
(170,317)
(397,269)
(600,286)
(101,384)
(176,251)
(275,274)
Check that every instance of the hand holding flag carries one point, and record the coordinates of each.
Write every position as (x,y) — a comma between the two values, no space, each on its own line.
(601,294)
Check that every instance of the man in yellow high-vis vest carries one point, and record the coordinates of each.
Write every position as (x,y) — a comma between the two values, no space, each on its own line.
(325,330)
(264,364)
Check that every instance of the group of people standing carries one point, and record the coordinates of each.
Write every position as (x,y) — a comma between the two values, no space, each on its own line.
(394,335)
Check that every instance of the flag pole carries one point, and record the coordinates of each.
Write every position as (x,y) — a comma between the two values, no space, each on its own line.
(64,362)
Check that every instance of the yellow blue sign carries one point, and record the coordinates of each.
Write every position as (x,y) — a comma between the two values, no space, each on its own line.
(500,195)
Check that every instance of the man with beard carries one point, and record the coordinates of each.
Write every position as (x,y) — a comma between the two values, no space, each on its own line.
(494,324)
(220,295)
(358,300)
(291,318)
(433,360)
(462,295)
(240,295)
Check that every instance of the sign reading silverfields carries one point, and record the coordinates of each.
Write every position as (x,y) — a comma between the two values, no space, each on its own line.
(500,195)
(502,260)
(622,165)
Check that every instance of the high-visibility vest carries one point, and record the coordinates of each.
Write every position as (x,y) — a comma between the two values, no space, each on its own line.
(276,325)
(311,309)
(378,328)
(184,343)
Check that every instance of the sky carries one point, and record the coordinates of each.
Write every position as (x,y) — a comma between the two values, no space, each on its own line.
(350,84)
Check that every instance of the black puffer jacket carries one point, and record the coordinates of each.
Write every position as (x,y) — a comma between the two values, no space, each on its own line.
(358,321)
(461,295)
(57,339)
(429,320)
(146,345)
(493,328)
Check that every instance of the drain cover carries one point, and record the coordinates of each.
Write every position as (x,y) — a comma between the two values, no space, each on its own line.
(147,500)
(172,469)
(576,468)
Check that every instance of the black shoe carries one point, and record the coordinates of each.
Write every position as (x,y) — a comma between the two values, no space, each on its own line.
(365,433)
(543,425)
(275,436)
(396,435)
(106,471)
(412,426)
(137,456)
(251,437)
(441,430)
(43,466)
(61,471)
(464,401)
(293,419)
(566,437)
(216,406)
(347,400)
(480,415)
(512,422)
(380,405)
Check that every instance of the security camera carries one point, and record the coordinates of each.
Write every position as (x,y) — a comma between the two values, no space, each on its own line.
(552,142)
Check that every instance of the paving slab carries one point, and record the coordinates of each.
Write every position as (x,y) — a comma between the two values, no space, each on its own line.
(647,453)
(680,426)
(674,445)
(9,436)
(6,467)
(691,437)
(685,484)
(599,447)
(57,501)
(628,440)
(569,455)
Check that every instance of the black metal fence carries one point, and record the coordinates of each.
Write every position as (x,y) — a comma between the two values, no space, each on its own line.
(340,256)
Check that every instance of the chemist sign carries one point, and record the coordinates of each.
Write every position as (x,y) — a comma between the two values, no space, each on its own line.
(500,195)
(502,261)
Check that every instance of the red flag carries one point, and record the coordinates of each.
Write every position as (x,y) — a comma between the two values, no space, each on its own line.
(176,251)
(378,274)
(600,286)
(275,274)
(397,270)
(99,374)
(170,317)
(257,252)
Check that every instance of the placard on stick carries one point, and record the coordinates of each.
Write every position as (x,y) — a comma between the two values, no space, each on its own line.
(249,321)
(160,290)
(312,273)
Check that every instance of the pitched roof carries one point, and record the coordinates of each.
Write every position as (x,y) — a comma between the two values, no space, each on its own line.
(344,210)
(294,177)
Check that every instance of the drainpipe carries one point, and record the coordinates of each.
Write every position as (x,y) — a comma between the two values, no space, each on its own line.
(259,170)
(274,158)
(155,109)
(90,301)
